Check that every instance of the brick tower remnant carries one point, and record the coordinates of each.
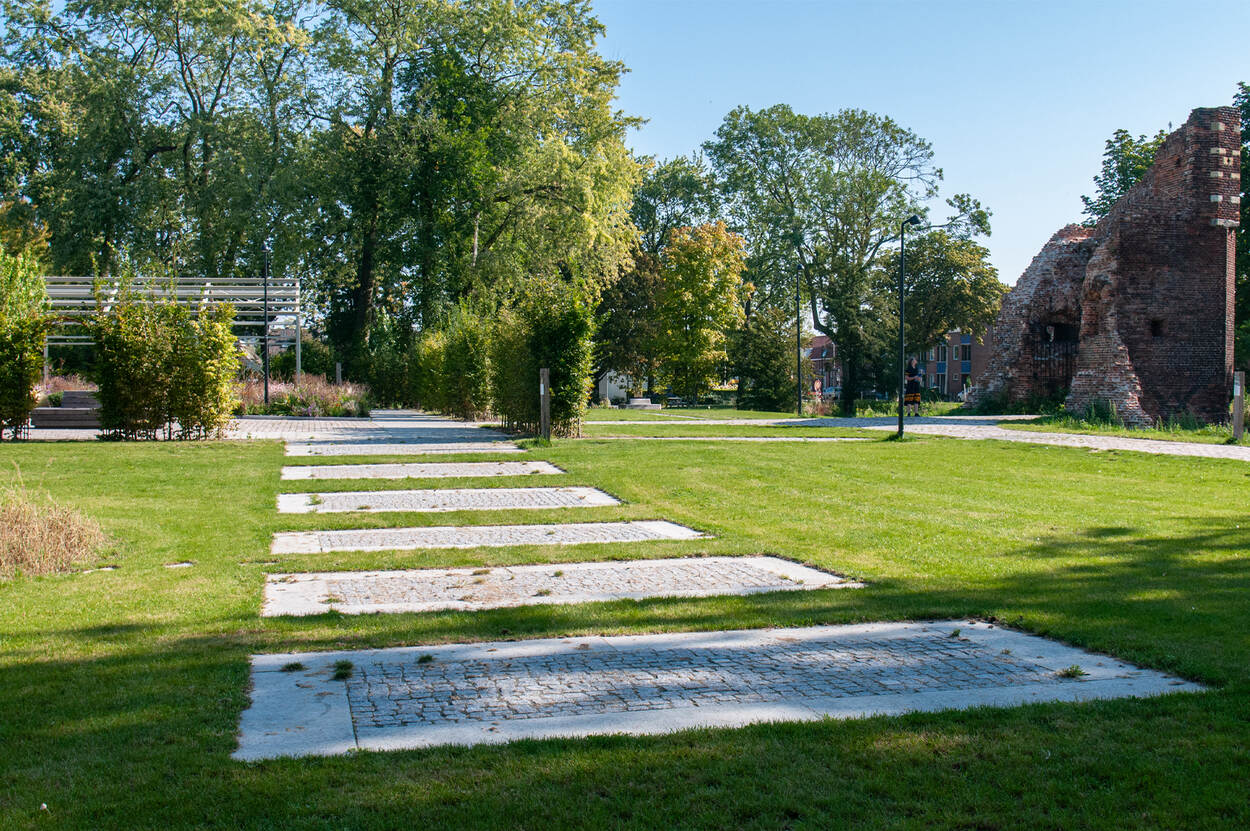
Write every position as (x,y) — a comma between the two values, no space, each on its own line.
(1135,312)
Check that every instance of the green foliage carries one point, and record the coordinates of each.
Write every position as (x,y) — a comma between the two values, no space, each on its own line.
(134,337)
(315,359)
(24,322)
(204,365)
(465,378)
(824,196)
(1124,161)
(157,363)
(627,336)
(762,356)
(426,359)
(387,362)
(699,301)
(551,327)
(950,285)
(677,193)
(399,155)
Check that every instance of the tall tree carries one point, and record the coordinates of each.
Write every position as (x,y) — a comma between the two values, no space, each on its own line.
(824,196)
(627,335)
(473,146)
(1124,160)
(761,355)
(949,284)
(699,303)
(677,193)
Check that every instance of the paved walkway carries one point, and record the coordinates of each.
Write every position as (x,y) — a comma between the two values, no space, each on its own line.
(474,536)
(419,470)
(471,589)
(978,428)
(496,692)
(443,499)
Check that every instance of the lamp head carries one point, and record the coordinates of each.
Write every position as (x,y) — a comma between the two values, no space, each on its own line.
(914,219)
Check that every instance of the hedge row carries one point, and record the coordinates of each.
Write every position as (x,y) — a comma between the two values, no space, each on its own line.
(472,365)
(159,365)
(24,321)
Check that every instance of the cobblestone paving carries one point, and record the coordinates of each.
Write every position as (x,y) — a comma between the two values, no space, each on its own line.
(474,536)
(419,470)
(424,590)
(443,499)
(388,694)
(407,448)
(491,692)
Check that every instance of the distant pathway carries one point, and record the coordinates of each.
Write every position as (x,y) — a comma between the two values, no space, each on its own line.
(986,427)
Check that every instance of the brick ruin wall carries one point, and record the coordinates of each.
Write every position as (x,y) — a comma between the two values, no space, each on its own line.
(1135,312)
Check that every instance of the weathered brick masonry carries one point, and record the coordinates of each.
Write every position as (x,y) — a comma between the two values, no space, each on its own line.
(1136,311)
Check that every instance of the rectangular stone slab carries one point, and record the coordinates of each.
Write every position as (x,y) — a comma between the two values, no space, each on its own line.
(418,470)
(470,589)
(414,448)
(475,536)
(465,694)
(443,500)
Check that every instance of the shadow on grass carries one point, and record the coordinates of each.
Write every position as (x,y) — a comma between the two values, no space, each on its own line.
(138,735)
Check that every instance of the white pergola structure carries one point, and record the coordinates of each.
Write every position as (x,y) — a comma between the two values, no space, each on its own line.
(267,309)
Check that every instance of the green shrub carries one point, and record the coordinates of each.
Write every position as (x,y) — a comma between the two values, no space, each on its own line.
(387,367)
(552,327)
(205,363)
(425,371)
(134,337)
(762,356)
(24,322)
(315,359)
(465,376)
(157,363)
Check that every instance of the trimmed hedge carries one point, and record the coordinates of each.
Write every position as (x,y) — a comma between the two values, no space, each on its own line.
(24,322)
(157,364)
(552,327)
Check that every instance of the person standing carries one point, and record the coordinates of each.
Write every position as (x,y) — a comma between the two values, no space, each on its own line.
(911,396)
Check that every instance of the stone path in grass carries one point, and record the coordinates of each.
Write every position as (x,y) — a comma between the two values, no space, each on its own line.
(419,470)
(470,589)
(370,448)
(474,536)
(443,499)
(496,692)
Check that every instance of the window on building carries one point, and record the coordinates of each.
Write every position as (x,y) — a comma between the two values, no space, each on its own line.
(939,382)
(941,352)
(965,352)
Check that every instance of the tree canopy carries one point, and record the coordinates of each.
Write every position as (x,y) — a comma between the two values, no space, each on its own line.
(1124,161)
(825,195)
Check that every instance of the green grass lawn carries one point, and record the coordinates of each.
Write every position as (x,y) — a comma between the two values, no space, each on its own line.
(120,691)
(679,414)
(1209,434)
(695,428)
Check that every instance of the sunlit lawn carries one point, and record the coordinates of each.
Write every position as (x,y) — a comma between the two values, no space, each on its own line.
(120,691)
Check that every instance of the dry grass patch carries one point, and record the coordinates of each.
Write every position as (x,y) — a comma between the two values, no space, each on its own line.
(38,536)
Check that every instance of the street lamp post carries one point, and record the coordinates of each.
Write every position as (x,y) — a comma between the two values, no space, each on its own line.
(902,344)
(798,341)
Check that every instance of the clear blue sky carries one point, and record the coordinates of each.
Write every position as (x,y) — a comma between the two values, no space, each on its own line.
(1016,96)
